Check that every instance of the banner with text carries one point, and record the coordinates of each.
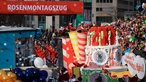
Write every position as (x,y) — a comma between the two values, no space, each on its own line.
(46,8)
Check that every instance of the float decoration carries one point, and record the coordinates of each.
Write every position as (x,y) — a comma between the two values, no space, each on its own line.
(74,42)
(103,36)
(68,54)
(111,35)
(93,33)
(101,44)
(136,64)
(95,38)
(97,77)
(115,57)
(99,57)
(82,40)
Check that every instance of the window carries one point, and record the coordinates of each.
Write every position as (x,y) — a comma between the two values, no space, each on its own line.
(101,19)
(98,9)
(41,19)
(122,10)
(104,1)
(32,18)
(97,1)
(125,2)
(27,17)
(108,1)
(111,1)
(131,3)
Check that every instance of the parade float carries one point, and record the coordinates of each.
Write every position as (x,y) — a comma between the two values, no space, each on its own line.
(102,53)
(22,60)
(16,46)
(96,55)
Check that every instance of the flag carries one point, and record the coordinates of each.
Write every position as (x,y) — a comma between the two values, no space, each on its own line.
(39,51)
(68,54)
(50,53)
(74,42)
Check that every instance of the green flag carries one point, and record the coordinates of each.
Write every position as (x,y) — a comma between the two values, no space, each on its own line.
(79,18)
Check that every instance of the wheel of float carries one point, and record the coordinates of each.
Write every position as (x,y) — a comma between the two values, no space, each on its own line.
(94,77)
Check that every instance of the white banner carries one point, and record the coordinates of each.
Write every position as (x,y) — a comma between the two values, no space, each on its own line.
(136,64)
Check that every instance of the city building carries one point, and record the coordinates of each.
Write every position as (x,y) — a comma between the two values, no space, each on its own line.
(87,15)
(109,10)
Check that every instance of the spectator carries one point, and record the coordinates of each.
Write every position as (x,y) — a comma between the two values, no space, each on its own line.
(80,79)
(73,78)
(63,75)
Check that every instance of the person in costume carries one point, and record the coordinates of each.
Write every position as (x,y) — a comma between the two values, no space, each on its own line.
(70,27)
(73,78)
(63,75)
(80,79)
(82,28)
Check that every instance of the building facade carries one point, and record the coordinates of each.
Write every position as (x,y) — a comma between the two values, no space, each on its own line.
(53,21)
(109,10)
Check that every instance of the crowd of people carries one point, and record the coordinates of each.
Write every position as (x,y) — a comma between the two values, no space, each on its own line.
(132,34)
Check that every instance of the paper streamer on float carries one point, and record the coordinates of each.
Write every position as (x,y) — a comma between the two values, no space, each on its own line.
(82,40)
(74,41)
